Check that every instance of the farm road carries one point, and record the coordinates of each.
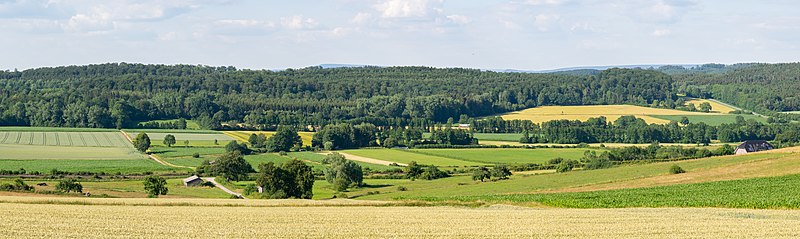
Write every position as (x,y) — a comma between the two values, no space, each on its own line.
(365,159)
(154,157)
(218,185)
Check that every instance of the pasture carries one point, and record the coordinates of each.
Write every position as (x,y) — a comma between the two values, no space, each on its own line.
(127,217)
(406,156)
(315,158)
(582,113)
(507,156)
(195,139)
(67,144)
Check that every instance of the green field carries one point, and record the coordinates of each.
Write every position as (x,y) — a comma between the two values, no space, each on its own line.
(182,156)
(10,151)
(195,139)
(86,165)
(53,129)
(81,139)
(762,193)
(519,183)
(406,156)
(711,119)
(311,157)
(506,156)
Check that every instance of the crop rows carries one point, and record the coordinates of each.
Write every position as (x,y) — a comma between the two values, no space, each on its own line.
(86,139)
(70,221)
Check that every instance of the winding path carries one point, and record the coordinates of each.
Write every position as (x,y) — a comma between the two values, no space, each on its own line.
(218,185)
(154,157)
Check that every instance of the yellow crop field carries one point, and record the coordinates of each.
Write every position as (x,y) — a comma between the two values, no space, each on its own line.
(111,221)
(245,135)
(584,112)
(715,107)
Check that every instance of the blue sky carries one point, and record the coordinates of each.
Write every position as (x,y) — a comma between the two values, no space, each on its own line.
(489,34)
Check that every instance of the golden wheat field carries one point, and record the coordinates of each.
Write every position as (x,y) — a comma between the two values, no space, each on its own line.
(245,135)
(584,112)
(715,107)
(115,221)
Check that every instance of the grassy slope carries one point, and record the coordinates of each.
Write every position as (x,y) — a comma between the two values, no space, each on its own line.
(506,156)
(401,156)
(464,186)
(770,192)
(311,157)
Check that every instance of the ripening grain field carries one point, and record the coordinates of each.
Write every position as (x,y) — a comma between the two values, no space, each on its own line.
(117,221)
(582,113)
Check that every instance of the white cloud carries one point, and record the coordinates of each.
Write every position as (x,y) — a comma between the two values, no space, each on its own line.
(362,18)
(459,19)
(98,20)
(406,8)
(298,22)
(661,33)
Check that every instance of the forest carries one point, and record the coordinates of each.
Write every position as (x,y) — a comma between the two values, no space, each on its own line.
(119,95)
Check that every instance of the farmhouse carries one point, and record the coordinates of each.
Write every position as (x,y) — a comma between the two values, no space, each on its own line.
(192,181)
(753,146)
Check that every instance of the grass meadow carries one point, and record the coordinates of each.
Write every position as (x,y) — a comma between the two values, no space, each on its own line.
(761,193)
(506,155)
(406,156)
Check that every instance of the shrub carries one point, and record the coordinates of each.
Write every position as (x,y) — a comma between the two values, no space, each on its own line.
(196,155)
(566,166)
(501,172)
(555,161)
(598,163)
(69,185)
(402,188)
(481,173)
(675,169)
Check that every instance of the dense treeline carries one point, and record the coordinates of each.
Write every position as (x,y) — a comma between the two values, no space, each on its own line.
(120,95)
(629,129)
(758,87)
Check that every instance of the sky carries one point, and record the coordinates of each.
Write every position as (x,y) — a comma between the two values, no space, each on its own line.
(486,34)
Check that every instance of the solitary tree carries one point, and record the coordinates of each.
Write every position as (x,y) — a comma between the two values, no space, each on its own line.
(501,171)
(685,120)
(169,140)
(705,107)
(155,185)
(142,142)
(413,170)
(481,174)
(186,143)
(343,173)
(230,166)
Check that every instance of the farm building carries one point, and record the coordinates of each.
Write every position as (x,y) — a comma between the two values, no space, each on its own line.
(753,146)
(192,181)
